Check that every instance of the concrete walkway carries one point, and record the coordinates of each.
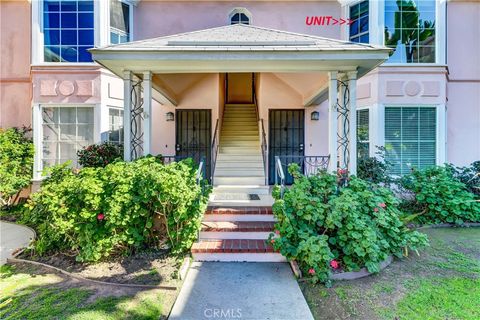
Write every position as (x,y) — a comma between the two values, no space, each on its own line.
(12,237)
(246,290)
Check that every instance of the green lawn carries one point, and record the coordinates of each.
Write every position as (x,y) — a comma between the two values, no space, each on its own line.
(442,283)
(33,293)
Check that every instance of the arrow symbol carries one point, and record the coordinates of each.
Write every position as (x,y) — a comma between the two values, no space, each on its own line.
(335,21)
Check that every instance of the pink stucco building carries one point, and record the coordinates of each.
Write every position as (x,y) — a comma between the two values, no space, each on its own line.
(257,79)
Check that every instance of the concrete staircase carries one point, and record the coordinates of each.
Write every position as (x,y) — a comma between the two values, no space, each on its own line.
(239,159)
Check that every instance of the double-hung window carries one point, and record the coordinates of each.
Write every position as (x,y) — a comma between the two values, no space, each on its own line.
(359,22)
(68,29)
(363,133)
(410,29)
(65,130)
(119,22)
(410,137)
(115,125)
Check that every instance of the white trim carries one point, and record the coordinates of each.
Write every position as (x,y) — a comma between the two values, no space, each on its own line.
(352,85)
(376,127)
(441,134)
(37,141)
(147,113)
(376,19)
(127,116)
(332,121)
(440,31)
(240,10)
(37,34)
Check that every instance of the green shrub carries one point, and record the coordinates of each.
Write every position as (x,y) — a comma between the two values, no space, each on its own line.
(470,176)
(16,163)
(375,169)
(99,155)
(97,212)
(322,226)
(437,197)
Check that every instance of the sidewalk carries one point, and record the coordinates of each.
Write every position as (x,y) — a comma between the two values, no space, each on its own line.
(12,237)
(240,290)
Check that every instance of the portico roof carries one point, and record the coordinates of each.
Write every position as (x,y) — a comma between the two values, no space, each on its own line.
(240,48)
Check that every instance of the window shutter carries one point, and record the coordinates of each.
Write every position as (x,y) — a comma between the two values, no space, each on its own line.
(363,144)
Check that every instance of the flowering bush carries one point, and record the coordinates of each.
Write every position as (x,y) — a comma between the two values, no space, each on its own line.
(16,163)
(469,175)
(437,197)
(97,212)
(99,155)
(324,227)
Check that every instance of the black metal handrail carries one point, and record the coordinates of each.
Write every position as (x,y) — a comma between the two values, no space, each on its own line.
(214,149)
(254,97)
(264,151)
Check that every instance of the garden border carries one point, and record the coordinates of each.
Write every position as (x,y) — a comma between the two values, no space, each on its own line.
(449,225)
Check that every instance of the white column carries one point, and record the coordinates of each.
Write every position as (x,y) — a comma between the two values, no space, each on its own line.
(352,86)
(37,141)
(147,112)
(441,135)
(332,120)
(127,115)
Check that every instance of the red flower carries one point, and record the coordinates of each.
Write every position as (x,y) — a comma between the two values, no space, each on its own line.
(100,216)
(311,271)
(375,209)
(334,264)
(277,232)
(383,205)
(272,241)
(342,171)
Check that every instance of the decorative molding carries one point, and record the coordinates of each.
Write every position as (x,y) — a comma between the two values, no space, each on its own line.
(394,89)
(47,88)
(431,89)
(66,88)
(412,88)
(84,88)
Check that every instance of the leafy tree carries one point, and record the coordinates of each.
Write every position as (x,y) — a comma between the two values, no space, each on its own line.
(16,163)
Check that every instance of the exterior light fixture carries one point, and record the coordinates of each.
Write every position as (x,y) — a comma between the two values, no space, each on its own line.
(315,116)
(170,116)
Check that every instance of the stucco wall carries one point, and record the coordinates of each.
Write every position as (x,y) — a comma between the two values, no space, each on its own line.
(170,17)
(463,113)
(15,87)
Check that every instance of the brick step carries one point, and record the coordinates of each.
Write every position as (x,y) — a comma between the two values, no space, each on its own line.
(220,230)
(235,250)
(232,246)
(232,214)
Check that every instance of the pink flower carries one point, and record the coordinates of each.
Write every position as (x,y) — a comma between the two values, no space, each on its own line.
(383,205)
(100,216)
(272,241)
(334,264)
(311,271)
(375,209)
(277,232)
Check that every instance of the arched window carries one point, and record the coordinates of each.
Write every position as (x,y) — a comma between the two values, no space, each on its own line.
(240,15)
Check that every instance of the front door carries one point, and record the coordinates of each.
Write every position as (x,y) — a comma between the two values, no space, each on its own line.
(286,139)
(193,136)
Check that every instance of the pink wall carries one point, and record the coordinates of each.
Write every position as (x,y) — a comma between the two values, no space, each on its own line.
(171,17)
(463,113)
(15,88)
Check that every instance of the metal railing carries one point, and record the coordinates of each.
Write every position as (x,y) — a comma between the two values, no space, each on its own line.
(309,165)
(279,175)
(214,150)
(264,151)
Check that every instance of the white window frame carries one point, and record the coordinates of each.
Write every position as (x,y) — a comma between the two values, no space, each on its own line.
(347,15)
(107,137)
(440,35)
(101,26)
(240,10)
(37,124)
(371,152)
(441,127)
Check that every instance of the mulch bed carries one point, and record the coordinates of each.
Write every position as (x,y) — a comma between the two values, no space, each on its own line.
(154,267)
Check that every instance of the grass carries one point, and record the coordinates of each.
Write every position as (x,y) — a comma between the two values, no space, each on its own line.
(442,283)
(26,293)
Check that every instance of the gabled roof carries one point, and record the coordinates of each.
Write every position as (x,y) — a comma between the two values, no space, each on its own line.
(240,48)
(239,37)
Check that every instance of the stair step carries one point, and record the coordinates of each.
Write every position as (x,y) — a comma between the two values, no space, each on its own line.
(239,105)
(236,143)
(232,245)
(237,164)
(238,226)
(233,158)
(240,181)
(239,172)
(261,190)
